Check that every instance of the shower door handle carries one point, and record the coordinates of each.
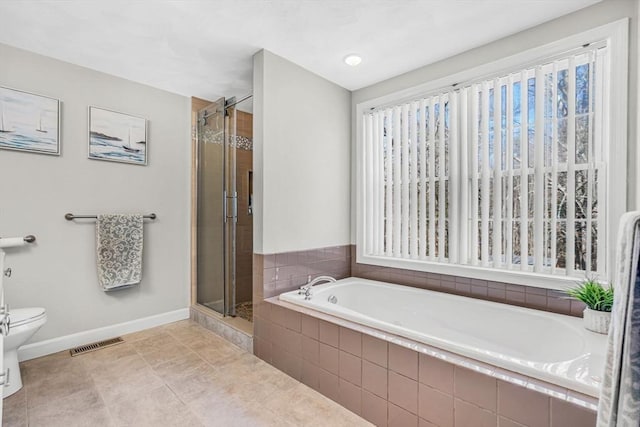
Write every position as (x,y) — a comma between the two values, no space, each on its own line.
(234,207)
(224,206)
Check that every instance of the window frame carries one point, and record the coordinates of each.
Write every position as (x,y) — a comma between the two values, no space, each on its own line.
(616,35)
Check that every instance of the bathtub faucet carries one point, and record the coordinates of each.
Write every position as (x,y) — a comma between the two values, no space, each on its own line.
(306,288)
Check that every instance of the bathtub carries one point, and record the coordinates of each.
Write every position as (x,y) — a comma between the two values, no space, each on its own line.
(551,347)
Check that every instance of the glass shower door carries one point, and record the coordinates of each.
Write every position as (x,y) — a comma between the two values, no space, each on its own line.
(231,210)
(212,209)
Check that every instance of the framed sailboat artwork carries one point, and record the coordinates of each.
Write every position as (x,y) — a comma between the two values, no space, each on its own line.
(117,137)
(29,122)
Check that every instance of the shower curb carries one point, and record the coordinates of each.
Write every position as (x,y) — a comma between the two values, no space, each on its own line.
(218,326)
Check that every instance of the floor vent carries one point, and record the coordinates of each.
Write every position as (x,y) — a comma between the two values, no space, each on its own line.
(95,346)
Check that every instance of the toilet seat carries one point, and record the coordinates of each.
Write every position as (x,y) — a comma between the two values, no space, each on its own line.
(23,316)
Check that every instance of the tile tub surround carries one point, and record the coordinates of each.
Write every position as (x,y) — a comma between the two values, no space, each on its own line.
(287,271)
(524,296)
(396,382)
(283,272)
(178,374)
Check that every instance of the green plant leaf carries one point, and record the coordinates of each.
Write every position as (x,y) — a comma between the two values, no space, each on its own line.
(594,295)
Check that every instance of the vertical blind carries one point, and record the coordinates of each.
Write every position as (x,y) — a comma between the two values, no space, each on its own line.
(503,173)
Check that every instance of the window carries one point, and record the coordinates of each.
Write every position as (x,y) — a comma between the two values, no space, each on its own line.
(508,173)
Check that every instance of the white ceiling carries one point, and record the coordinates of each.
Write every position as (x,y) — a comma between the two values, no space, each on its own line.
(204,47)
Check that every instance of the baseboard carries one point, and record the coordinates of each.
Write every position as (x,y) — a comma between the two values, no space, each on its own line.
(54,345)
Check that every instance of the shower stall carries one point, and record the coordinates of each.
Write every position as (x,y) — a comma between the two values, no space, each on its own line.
(224,211)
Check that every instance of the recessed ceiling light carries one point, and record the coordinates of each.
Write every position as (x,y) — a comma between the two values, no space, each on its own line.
(352,59)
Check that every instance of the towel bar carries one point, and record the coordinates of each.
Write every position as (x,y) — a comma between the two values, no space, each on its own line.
(71,217)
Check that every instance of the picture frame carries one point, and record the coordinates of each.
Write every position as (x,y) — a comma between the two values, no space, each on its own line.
(29,122)
(117,137)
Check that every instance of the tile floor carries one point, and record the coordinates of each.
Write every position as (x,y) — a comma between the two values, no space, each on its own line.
(175,375)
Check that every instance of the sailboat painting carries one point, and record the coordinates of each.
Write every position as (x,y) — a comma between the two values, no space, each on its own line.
(117,137)
(29,122)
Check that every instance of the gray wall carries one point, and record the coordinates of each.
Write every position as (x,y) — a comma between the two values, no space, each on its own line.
(58,273)
(602,13)
(302,162)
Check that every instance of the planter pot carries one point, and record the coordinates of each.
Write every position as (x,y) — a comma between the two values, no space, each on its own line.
(597,321)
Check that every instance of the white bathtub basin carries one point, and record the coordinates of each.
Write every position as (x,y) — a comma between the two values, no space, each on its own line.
(547,346)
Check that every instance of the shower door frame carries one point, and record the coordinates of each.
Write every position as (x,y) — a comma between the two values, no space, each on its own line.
(229,207)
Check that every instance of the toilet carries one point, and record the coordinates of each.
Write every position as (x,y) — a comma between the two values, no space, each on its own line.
(24,322)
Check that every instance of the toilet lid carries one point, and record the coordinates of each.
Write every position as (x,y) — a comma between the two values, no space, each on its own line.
(20,316)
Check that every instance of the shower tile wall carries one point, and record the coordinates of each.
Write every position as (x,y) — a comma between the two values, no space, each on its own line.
(244,227)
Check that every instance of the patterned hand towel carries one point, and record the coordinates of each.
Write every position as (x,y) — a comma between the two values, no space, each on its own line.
(119,250)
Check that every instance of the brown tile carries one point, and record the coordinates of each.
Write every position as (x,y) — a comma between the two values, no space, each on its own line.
(374,378)
(535,291)
(294,320)
(222,389)
(425,423)
(351,341)
(514,288)
(329,333)
(36,369)
(475,387)
(180,367)
(310,326)
(128,387)
(83,408)
(398,417)
(577,308)
(261,328)
(514,297)
(479,282)
(350,368)
(496,285)
(403,392)
(286,258)
(536,301)
(159,407)
(279,315)
(293,367)
(14,411)
(329,358)
(559,305)
(329,385)
(564,413)
(436,373)
(350,396)
(374,409)
(463,288)
(522,405)
(506,422)
(54,386)
(374,350)
(310,350)
(264,310)
(435,407)
(310,374)
(293,342)
(496,294)
(403,361)
(468,415)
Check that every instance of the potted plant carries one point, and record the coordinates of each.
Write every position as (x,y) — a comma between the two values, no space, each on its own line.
(599,301)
